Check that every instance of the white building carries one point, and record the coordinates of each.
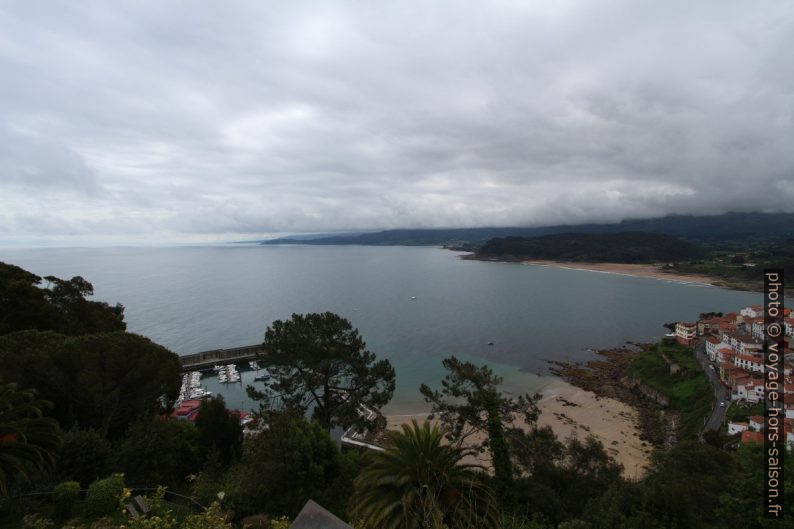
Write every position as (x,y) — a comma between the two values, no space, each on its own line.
(685,333)
(713,344)
(756,423)
(736,427)
(749,363)
(742,343)
(753,311)
(752,392)
(757,329)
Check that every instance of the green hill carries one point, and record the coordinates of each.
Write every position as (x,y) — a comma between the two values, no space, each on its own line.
(630,247)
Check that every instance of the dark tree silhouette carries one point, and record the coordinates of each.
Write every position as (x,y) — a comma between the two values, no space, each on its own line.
(320,363)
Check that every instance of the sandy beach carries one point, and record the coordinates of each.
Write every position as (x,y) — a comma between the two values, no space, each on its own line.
(569,411)
(639,270)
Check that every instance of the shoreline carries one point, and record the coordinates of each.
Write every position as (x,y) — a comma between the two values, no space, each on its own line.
(649,270)
(573,411)
(634,270)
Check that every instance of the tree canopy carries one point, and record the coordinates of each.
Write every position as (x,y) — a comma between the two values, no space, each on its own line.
(470,402)
(85,456)
(103,381)
(624,247)
(320,364)
(158,452)
(286,464)
(60,305)
(422,483)
(219,431)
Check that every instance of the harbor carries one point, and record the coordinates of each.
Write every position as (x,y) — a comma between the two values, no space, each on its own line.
(209,359)
(227,380)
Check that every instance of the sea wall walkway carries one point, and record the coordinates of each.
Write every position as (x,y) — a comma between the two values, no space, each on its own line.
(207,359)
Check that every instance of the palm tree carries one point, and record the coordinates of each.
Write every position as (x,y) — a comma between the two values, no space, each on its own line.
(28,441)
(420,483)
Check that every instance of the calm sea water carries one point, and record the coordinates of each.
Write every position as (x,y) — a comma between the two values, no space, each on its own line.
(191,299)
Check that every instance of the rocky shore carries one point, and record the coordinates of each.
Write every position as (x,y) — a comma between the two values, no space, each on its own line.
(608,376)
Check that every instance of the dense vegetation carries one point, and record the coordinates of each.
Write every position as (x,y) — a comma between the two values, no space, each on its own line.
(69,463)
(320,363)
(628,247)
(689,391)
(742,264)
(60,306)
(102,381)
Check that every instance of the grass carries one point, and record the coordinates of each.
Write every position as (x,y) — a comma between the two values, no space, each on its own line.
(739,412)
(689,391)
(681,355)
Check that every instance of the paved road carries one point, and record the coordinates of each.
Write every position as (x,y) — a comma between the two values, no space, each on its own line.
(721,393)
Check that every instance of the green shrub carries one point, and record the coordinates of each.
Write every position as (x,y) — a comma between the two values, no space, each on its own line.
(36,521)
(85,456)
(255,521)
(104,495)
(65,497)
(280,523)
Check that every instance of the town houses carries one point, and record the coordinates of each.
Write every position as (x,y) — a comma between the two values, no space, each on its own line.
(733,343)
(686,333)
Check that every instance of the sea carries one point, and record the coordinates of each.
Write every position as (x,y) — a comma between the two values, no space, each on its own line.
(412,305)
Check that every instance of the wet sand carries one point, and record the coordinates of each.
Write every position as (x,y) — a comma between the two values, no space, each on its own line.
(569,411)
(638,270)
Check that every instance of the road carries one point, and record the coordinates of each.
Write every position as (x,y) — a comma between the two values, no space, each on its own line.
(721,393)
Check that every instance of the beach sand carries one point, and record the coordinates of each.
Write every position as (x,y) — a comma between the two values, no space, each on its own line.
(639,270)
(569,410)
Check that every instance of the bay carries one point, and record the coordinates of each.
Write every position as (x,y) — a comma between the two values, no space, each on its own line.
(195,298)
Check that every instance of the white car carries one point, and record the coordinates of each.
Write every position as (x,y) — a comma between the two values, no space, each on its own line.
(722,404)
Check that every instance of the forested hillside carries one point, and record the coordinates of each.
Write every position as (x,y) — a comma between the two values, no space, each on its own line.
(612,248)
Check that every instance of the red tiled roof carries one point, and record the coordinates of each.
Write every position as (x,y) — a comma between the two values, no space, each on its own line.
(756,418)
(752,437)
(713,339)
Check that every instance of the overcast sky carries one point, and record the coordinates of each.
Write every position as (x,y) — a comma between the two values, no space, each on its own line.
(184,121)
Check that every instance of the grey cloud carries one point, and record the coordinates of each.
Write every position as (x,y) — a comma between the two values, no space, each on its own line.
(235,118)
